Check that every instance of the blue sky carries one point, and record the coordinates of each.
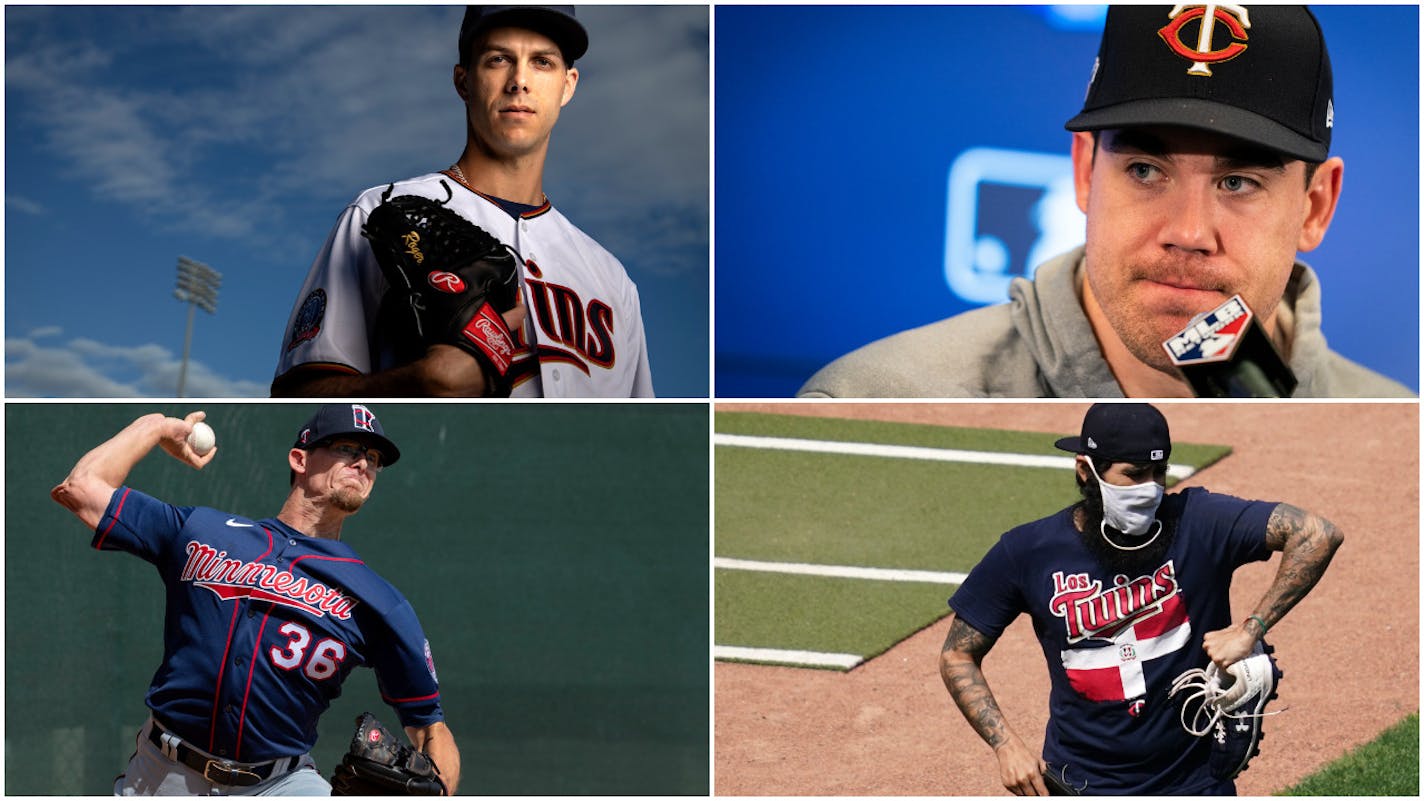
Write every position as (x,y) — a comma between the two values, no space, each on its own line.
(235,136)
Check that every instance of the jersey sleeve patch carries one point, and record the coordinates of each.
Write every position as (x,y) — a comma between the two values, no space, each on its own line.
(307,324)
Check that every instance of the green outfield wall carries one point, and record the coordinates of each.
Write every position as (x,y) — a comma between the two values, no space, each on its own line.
(556,554)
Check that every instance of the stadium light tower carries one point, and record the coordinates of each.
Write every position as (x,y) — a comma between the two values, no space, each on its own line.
(197,286)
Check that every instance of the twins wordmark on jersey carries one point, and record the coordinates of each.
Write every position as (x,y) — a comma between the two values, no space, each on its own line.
(574,332)
(1142,619)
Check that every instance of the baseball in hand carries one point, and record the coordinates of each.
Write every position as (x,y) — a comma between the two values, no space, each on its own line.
(202,439)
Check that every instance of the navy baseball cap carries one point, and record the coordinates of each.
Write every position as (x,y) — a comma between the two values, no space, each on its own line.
(556,22)
(1260,74)
(1122,432)
(353,420)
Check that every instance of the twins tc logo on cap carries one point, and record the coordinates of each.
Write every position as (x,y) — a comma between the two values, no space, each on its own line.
(362,418)
(1232,17)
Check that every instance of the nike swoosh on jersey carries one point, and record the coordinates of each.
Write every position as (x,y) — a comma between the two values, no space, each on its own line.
(232,521)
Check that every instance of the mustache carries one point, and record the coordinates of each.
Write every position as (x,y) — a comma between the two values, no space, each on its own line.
(1185,272)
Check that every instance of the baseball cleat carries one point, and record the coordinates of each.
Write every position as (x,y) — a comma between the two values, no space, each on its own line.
(1237,736)
(1230,705)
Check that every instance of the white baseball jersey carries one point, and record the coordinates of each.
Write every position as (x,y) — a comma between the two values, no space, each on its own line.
(584,334)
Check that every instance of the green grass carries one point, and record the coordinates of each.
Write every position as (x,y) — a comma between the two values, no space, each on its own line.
(856,510)
(1388,765)
(832,615)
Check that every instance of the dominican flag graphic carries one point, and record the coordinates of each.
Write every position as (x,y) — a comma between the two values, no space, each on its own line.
(1115,672)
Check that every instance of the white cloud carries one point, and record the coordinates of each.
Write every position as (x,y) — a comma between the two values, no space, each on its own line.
(84,368)
(24,205)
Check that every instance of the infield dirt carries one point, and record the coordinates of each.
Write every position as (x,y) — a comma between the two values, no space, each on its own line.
(1350,650)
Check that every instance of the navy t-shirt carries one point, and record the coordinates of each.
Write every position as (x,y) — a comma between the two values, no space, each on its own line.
(1114,643)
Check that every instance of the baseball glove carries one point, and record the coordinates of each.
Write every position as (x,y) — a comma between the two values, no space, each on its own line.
(450,281)
(1229,705)
(379,764)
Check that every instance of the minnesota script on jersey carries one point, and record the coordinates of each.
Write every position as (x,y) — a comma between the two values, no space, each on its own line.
(1114,643)
(263,624)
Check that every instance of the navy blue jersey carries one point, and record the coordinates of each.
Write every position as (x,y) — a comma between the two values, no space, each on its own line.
(262,625)
(1114,643)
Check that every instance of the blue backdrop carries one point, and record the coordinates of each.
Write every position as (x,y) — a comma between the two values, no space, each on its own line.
(842,133)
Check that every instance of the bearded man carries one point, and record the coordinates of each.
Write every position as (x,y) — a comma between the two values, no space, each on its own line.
(1130,591)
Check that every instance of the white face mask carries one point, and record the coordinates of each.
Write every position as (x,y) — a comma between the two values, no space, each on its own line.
(1130,510)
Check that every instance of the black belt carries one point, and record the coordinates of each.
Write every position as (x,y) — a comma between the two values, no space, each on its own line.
(218,771)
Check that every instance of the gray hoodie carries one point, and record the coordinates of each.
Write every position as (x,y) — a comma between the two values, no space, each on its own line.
(1040,345)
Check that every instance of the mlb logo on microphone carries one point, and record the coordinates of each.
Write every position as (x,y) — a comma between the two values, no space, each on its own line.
(1213,336)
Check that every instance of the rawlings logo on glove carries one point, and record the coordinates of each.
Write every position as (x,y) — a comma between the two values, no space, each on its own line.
(378,764)
(459,299)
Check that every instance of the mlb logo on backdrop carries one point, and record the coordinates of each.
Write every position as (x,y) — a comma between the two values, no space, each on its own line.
(1007,211)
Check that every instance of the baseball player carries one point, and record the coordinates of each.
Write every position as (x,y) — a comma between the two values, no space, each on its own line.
(1129,593)
(264,618)
(579,323)
(1201,159)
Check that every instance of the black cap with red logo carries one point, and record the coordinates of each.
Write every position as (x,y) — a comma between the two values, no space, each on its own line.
(1260,74)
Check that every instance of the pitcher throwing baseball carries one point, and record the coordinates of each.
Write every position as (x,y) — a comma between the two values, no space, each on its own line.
(265,618)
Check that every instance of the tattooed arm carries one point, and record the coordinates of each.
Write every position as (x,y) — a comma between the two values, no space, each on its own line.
(959,666)
(1307,542)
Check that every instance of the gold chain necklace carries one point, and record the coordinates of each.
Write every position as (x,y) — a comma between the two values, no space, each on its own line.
(460,176)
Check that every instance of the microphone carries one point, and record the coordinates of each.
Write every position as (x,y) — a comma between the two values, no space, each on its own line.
(1225,354)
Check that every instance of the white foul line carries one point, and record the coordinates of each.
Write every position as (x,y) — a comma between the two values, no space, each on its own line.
(778,655)
(841,571)
(913,452)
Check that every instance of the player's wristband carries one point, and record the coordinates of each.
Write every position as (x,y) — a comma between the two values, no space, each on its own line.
(1258,619)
